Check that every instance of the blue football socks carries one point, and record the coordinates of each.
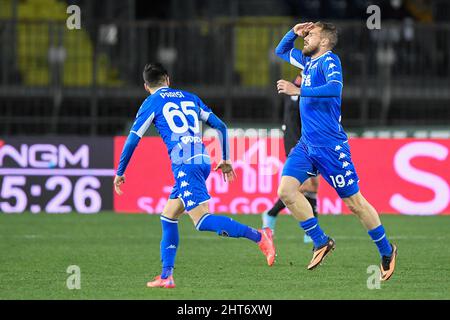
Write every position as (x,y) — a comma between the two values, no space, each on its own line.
(312,229)
(166,272)
(227,227)
(169,245)
(378,236)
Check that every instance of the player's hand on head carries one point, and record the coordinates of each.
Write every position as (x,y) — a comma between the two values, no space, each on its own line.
(118,180)
(302,29)
(288,88)
(227,169)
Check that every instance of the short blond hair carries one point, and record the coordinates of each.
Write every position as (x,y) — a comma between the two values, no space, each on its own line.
(329,31)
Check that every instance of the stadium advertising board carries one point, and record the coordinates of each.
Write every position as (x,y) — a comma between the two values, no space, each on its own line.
(407,176)
(56,175)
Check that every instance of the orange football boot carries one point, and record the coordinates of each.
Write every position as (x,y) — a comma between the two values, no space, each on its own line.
(162,283)
(387,266)
(266,245)
(320,253)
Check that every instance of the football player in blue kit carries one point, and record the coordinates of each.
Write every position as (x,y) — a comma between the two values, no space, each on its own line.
(323,146)
(176,114)
(291,134)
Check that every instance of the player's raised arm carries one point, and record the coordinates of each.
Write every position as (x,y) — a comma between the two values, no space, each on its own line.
(213,121)
(286,49)
(143,121)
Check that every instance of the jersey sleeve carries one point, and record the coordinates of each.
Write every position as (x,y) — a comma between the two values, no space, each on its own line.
(144,119)
(286,51)
(127,151)
(207,116)
(332,70)
(205,111)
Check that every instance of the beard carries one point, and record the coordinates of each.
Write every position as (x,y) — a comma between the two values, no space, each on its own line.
(310,51)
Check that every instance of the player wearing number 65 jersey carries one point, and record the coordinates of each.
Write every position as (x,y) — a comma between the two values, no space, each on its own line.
(176,115)
(323,145)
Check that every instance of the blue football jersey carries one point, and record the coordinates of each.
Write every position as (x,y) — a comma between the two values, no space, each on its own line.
(320,108)
(176,114)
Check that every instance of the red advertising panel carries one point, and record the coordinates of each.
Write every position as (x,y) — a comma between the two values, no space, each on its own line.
(256,161)
(407,176)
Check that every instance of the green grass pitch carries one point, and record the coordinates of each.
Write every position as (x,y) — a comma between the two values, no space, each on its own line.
(118,253)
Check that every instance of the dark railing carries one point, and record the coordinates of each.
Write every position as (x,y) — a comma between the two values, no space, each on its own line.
(89,81)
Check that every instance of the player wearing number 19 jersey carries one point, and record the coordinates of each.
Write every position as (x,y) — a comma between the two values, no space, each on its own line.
(324,146)
(176,114)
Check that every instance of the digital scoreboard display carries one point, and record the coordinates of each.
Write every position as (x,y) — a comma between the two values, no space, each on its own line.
(56,175)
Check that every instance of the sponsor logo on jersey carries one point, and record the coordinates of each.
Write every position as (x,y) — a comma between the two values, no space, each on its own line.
(307,80)
(191,139)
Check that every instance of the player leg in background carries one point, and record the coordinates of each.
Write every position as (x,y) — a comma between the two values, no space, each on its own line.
(371,221)
(309,189)
(302,211)
(269,217)
(227,227)
(298,168)
(173,209)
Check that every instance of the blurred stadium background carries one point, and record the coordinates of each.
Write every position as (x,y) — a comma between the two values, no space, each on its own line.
(68,98)
(88,82)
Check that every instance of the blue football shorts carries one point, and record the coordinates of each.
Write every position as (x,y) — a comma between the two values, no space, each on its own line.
(334,163)
(190,183)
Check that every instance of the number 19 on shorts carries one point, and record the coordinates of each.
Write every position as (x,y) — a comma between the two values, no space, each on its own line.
(338,181)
